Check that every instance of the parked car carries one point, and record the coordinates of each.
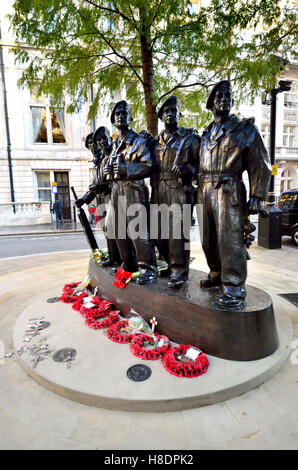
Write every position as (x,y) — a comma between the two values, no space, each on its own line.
(288,204)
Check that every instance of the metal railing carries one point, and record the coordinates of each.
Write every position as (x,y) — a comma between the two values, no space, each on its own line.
(283,151)
(24,208)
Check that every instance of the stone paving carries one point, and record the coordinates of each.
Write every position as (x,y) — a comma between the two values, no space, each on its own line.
(32,417)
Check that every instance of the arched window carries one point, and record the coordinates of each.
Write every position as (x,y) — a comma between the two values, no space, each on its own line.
(288,179)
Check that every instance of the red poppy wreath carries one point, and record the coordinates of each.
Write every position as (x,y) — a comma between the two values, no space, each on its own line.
(139,346)
(113,317)
(100,309)
(120,332)
(67,294)
(179,362)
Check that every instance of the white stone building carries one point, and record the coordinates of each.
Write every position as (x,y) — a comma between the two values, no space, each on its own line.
(47,146)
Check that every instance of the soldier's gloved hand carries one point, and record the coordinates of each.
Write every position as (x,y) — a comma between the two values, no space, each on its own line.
(181,170)
(147,136)
(107,169)
(254,205)
(120,169)
(92,187)
(177,169)
(79,202)
(98,188)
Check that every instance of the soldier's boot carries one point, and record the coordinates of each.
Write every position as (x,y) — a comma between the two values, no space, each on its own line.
(213,280)
(110,263)
(232,296)
(177,280)
(148,274)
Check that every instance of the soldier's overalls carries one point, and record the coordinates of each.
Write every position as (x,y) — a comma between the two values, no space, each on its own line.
(167,188)
(129,193)
(226,152)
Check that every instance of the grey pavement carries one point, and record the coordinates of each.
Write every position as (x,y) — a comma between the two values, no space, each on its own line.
(32,417)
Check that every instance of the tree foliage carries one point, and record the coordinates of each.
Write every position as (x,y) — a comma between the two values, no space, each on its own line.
(153,48)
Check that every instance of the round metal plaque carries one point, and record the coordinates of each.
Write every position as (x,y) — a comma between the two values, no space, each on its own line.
(45,324)
(52,300)
(139,373)
(63,354)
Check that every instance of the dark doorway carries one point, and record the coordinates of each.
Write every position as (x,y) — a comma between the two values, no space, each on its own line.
(62,180)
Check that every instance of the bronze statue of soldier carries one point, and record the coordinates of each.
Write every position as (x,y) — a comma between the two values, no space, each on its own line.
(99,190)
(102,140)
(129,163)
(229,147)
(176,152)
(98,155)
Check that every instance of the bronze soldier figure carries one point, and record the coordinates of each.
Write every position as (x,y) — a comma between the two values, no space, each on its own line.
(130,162)
(176,152)
(102,140)
(229,146)
(99,190)
(97,159)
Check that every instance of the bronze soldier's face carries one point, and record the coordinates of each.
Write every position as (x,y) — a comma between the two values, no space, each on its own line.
(223,100)
(171,114)
(122,117)
(103,142)
(91,147)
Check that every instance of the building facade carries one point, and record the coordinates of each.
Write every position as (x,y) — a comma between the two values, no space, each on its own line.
(39,145)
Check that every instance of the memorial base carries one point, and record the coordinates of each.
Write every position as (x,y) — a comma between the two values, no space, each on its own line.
(192,315)
(98,375)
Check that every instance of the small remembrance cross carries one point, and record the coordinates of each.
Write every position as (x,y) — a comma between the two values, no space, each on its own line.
(154,323)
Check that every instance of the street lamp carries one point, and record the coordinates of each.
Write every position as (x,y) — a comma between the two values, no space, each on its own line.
(269,234)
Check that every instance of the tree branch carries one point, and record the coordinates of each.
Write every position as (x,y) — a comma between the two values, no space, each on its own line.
(117,11)
(156,13)
(111,46)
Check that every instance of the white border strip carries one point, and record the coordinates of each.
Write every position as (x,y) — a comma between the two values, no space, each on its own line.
(40,254)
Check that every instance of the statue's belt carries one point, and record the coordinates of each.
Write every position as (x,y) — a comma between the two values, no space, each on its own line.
(219,179)
(167,176)
(137,184)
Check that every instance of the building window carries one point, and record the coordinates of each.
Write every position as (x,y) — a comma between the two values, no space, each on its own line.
(47,120)
(288,136)
(58,125)
(265,131)
(290,96)
(287,179)
(43,182)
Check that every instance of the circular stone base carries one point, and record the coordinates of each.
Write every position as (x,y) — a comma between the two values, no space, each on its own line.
(98,373)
